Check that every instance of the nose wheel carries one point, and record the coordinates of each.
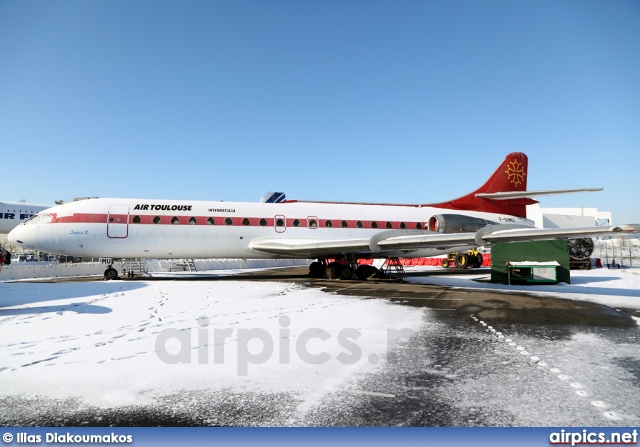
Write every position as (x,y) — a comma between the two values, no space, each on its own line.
(110,273)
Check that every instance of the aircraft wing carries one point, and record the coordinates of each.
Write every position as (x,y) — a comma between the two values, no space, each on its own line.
(311,248)
(493,234)
(394,241)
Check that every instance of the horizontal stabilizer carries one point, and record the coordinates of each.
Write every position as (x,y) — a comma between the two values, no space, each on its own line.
(511,195)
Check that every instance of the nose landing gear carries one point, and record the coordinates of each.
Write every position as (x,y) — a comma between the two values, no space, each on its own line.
(110,273)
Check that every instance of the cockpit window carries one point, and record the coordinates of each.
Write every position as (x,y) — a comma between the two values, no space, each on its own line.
(32,220)
(39,219)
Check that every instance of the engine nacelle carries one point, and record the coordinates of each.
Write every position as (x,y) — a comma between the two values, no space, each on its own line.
(457,223)
(580,249)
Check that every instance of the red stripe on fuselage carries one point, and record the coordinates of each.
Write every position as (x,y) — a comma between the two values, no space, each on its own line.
(80,218)
(235,221)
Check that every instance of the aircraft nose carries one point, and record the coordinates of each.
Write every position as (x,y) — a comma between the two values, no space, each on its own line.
(14,236)
(31,235)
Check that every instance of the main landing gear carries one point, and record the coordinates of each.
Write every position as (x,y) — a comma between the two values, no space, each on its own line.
(340,267)
(344,267)
(318,268)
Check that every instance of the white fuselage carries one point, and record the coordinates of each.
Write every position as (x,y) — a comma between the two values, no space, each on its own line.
(143,228)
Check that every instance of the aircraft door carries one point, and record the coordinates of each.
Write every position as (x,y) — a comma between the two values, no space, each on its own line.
(280,223)
(118,221)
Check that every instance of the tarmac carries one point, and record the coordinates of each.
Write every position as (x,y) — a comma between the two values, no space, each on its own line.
(486,358)
(498,306)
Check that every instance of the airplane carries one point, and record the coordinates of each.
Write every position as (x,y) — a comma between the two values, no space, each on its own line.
(280,228)
(14,213)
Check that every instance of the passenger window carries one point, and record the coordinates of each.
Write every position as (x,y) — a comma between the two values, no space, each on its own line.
(136,219)
(344,224)
(296,223)
(157,220)
(328,224)
(359,224)
(403,225)
(210,221)
(389,225)
(228,221)
(193,221)
(175,221)
(419,226)
(263,222)
(245,221)
(279,223)
(313,222)
(374,225)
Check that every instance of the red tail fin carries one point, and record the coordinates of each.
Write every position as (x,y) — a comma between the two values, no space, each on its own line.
(511,175)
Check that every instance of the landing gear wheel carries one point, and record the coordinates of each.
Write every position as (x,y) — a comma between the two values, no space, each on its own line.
(365,272)
(445,263)
(462,261)
(344,272)
(110,274)
(316,269)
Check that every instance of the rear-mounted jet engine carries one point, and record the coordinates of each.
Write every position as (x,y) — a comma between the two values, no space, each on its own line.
(457,223)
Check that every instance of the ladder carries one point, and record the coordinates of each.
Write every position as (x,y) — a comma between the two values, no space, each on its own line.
(133,267)
(184,265)
(393,268)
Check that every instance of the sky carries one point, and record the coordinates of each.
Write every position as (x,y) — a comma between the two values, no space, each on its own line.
(374,101)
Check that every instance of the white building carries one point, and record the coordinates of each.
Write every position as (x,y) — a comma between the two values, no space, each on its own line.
(625,250)
(568,217)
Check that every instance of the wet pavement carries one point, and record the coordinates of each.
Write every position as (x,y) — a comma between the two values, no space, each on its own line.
(458,372)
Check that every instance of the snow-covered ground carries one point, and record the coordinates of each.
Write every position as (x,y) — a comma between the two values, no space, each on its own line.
(114,345)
